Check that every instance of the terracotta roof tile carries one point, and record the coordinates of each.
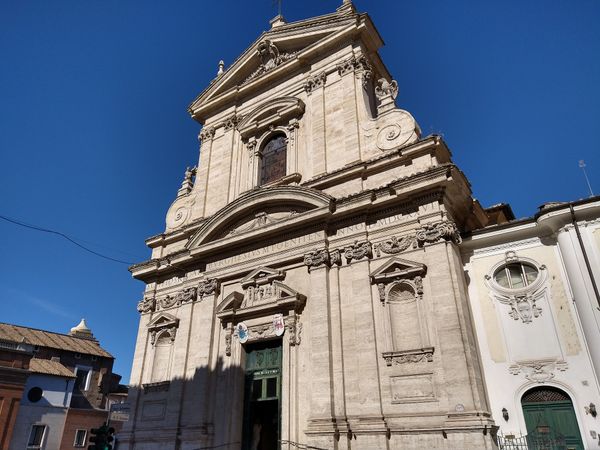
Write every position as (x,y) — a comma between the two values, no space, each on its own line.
(43,338)
(49,367)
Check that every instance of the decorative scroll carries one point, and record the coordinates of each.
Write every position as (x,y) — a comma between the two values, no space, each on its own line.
(435,232)
(270,57)
(539,371)
(317,258)
(191,294)
(207,133)
(146,305)
(359,65)
(184,296)
(208,287)
(358,251)
(314,82)
(409,356)
(231,122)
(394,245)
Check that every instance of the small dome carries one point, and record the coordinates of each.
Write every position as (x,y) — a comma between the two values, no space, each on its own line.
(81,330)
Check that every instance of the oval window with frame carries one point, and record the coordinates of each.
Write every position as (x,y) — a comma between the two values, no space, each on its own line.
(516,275)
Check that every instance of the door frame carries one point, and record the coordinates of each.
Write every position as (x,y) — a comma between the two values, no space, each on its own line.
(528,386)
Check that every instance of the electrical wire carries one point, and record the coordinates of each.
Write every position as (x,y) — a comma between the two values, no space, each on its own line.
(46,230)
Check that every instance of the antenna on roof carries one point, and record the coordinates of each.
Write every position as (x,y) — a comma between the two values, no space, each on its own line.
(582,166)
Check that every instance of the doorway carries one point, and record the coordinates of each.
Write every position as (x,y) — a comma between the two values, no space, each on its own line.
(550,419)
(262,396)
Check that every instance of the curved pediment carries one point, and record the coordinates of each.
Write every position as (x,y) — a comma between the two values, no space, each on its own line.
(271,113)
(260,210)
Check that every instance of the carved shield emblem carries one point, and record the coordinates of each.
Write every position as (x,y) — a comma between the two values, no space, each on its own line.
(278,324)
(242,332)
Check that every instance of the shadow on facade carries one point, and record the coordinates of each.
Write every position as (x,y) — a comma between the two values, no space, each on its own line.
(204,411)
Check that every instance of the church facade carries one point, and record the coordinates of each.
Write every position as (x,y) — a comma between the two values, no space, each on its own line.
(310,287)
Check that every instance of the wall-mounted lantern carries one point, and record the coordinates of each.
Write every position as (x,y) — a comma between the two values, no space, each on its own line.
(505,414)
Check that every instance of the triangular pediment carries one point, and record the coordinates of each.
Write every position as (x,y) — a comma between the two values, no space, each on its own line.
(231,303)
(262,275)
(397,268)
(282,49)
(163,320)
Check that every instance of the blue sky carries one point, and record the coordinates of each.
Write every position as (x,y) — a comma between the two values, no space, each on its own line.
(95,135)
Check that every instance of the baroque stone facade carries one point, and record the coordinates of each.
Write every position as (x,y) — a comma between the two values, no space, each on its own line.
(317,245)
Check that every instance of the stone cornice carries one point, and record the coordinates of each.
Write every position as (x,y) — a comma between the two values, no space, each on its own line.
(404,189)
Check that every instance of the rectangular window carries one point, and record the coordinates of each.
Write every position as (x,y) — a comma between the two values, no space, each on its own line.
(80,436)
(36,437)
(82,378)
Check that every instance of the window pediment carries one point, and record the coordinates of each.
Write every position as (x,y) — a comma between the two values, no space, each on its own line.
(263,294)
(270,114)
(397,269)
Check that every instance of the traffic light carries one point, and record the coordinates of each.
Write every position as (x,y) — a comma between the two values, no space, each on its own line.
(101,438)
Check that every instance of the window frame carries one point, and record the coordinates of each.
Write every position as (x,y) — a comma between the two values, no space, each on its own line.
(82,444)
(511,258)
(508,273)
(267,139)
(41,444)
(88,378)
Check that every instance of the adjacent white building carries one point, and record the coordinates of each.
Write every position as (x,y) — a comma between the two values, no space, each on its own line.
(535,305)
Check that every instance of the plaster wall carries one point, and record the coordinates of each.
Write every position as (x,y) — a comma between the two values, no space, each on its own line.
(509,345)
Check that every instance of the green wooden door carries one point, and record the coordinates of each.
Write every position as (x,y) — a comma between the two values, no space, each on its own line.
(550,420)
(262,396)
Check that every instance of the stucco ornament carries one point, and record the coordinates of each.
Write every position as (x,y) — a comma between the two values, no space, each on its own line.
(358,250)
(524,302)
(270,57)
(386,88)
(538,371)
(434,232)
(317,258)
(523,307)
(146,305)
(393,245)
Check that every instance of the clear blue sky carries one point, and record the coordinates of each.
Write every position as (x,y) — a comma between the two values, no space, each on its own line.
(95,136)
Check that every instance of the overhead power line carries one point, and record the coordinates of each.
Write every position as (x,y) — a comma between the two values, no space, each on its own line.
(73,241)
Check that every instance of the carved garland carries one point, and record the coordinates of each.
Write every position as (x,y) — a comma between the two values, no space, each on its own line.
(204,288)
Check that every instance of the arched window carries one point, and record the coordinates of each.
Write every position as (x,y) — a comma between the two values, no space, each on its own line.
(274,159)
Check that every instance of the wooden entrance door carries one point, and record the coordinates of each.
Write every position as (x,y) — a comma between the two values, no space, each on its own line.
(550,420)
(262,396)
